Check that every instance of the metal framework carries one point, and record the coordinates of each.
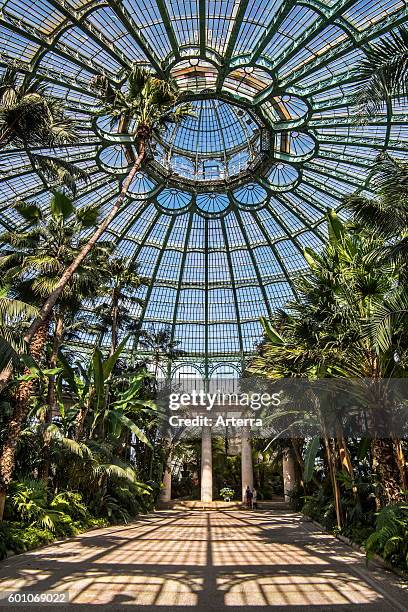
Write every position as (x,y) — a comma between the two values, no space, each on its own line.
(219,217)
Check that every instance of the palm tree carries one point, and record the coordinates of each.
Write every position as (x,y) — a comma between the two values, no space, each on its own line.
(163,348)
(30,117)
(151,104)
(32,261)
(160,345)
(123,282)
(329,334)
(383,73)
(13,314)
(387,213)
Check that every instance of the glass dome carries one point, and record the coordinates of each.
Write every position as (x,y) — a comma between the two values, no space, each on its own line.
(218,142)
(221,213)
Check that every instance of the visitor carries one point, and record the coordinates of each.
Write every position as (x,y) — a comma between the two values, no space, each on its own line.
(248,497)
(254,499)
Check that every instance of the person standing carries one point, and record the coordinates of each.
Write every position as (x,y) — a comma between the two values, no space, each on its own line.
(254,499)
(248,497)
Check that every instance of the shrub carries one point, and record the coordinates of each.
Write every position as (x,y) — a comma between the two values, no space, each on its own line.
(320,507)
(390,538)
(28,501)
(71,504)
(40,523)
(18,538)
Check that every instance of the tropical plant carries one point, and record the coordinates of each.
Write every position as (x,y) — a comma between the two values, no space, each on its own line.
(383,73)
(390,538)
(32,261)
(386,214)
(227,493)
(29,502)
(146,106)
(160,345)
(109,413)
(30,117)
(13,314)
(123,282)
(329,334)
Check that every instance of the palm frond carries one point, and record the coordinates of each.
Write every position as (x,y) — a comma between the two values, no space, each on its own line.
(8,355)
(62,172)
(386,318)
(104,88)
(137,78)
(75,448)
(30,212)
(383,73)
(112,470)
(13,309)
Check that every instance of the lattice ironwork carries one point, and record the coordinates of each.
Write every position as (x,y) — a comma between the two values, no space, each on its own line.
(219,217)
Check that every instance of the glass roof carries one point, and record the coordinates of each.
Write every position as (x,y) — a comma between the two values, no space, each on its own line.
(219,142)
(220,215)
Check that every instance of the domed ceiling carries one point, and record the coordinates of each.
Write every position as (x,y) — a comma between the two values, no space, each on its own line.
(221,213)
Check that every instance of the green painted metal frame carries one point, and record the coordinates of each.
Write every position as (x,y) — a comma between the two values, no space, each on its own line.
(333,15)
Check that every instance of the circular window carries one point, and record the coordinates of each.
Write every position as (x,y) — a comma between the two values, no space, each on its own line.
(202,147)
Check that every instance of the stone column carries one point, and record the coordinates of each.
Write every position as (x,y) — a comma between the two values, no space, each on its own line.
(206,464)
(247,473)
(289,472)
(165,494)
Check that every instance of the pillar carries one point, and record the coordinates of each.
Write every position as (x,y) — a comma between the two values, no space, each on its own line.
(206,464)
(247,474)
(165,494)
(289,472)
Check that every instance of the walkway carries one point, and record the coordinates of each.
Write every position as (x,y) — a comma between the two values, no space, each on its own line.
(214,561)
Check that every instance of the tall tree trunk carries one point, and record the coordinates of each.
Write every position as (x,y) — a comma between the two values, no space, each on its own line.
(402,465)
(66,277)
(5,376)
(81,417)
(387,472)
(344,457)
(51,403)
(114,314)
(331,459)
(21,402)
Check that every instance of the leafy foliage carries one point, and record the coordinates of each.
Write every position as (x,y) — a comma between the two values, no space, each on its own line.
(383,73)
(390,538)
(30,116)
(152,103)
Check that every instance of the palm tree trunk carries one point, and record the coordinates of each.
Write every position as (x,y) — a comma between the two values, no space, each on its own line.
(22,398)
(335,484)
(5,376)
(81,417)
(331,461)
(402,466)
(114,331)
(66,277)
(80,422)
(344,456)
(59,328)
(386,470)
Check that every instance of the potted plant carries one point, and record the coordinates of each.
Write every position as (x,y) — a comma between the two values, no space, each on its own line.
(227,493)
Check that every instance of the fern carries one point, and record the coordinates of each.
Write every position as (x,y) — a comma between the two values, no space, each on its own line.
(390,539)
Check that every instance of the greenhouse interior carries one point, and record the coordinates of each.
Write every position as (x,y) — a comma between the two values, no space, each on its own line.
(204,304)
